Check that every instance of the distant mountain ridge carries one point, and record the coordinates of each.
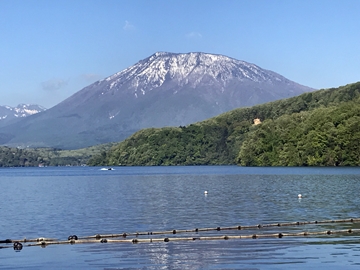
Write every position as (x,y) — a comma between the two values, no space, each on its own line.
(165,89)
(8,113)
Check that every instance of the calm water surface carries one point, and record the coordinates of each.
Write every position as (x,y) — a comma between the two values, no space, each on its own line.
(58,202)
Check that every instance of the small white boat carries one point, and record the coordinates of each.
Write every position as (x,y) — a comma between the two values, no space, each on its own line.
(107,169)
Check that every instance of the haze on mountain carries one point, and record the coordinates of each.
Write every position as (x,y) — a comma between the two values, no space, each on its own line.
(165,89)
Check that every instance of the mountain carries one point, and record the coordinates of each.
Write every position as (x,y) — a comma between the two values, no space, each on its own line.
(165,89)
(9,114)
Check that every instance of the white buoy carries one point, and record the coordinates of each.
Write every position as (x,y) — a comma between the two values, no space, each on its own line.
(299,196)
(205,192)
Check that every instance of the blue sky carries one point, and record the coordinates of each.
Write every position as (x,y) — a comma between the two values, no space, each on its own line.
(50,49)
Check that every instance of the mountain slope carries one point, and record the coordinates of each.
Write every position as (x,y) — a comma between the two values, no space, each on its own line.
(164,89)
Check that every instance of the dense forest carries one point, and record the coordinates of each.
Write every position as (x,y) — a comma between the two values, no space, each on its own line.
(30,157)
(322,137)
(14,157)
(319,128)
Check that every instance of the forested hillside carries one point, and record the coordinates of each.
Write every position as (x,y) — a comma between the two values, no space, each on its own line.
(14,157)
(30,157)
(227,138)
(322,137)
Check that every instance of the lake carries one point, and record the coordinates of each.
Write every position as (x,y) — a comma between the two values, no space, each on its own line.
(84,201)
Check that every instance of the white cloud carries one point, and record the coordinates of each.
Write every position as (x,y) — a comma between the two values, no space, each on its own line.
(53,84)
(128,26)
(90,77)
(194,35)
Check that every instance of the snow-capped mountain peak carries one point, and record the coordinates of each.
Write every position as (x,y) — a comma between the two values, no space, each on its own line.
(22,110)
(189,69)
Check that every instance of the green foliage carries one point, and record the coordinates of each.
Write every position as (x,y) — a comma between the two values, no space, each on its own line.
(278,141)
(192,145)
(75,157)
(14,157)
(321,137)
(29,157)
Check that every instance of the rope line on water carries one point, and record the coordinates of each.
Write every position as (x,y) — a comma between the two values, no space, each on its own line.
(18,246)
(41,239)
(258,226)
(73,239)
